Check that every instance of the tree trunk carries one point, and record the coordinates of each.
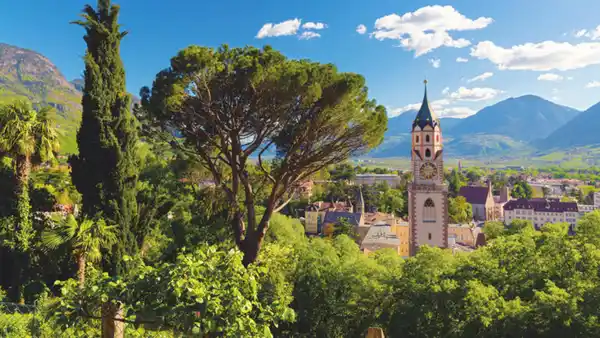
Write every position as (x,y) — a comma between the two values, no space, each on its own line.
(112,327)
(23,233)
(81,269)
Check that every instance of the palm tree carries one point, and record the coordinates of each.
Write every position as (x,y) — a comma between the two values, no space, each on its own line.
(87,238)
(27,137)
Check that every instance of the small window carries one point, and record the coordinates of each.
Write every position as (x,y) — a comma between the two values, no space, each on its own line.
(417,140)
(428,153)
(437,138)
(430,236)
(427,138)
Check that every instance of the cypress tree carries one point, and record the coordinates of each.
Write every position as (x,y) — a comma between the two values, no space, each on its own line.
(105,172)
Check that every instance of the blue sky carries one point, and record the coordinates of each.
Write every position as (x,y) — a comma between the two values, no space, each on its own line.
(516,41)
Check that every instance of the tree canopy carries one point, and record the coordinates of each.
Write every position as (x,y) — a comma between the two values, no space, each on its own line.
(225,105)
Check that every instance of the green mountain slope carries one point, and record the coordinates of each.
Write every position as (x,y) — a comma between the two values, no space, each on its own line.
(27,74)
(583,130)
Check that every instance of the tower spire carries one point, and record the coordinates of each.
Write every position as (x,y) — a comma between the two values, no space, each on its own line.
(426,116)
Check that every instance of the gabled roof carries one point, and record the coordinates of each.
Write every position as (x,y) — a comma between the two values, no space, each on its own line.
(335,216)
(426,116)
(474,194)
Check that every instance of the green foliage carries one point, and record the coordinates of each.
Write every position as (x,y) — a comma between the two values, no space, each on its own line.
(343,227)
(342,172)
(207,291)
(521,189)
(493,229)
(106,170)
(459,210)
(312,116)
(456,180)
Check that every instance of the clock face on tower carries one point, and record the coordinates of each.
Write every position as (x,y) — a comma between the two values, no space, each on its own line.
(428,171)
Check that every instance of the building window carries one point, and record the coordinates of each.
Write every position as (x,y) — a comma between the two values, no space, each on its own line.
(429,211)
(427,138)
(427,153)
(437,138)
(430,236)
(417,139)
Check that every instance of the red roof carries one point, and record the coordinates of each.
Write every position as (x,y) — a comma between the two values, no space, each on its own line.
(474,194)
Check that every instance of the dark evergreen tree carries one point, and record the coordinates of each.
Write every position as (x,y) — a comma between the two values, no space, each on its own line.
(105,172)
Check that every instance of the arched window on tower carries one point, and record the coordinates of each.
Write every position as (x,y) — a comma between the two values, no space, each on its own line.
(429,211)
(427,138)
(427,153)
(417,139)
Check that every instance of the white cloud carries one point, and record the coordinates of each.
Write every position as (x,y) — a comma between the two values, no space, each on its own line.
(427,28)
(474,94)
(570,78)
(289,27)
(593,84)
(580,33)
(459,112)
(441,107)
(543,56)
(550,77)
(446,91)
(361,29)
(314,25)
(481,77)
(309,35)
(463,60)
(435,63)
(593,34)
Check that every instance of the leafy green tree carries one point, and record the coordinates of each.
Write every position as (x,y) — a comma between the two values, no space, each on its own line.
(343,227)
(456,180)
(521,189)
(247,101)
(392,201)
(474,175)
(26,136)
(342,172)
(493,229)
(106,171)
(519,225)
(459,210)
(87,240)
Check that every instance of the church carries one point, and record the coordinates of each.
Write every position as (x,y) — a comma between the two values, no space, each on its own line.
(428,193)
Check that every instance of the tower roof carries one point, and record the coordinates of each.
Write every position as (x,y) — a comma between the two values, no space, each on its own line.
(426,116)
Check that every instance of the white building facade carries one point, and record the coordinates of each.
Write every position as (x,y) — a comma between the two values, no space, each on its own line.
(541,211)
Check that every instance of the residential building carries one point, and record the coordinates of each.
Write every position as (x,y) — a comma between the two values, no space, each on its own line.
(597,200)
(380,236)
(482,200)
(334,217)
(465,234)
(314,215)
(427,193)
(392,180)
(585,208)
(303,190)
(499,202)
(402,231)
(540,211)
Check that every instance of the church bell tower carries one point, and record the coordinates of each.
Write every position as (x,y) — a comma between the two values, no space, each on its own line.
(428,194)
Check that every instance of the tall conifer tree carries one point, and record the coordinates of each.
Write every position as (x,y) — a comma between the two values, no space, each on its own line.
(105,172)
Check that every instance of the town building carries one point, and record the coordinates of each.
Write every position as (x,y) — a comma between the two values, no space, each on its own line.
(428,193)
(499,202)
(332,218)
(314,215)
(482,200)
(380,236)
(540,211)
(465,234)
(392,180)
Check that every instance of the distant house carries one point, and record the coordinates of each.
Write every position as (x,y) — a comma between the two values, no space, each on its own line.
(465,234)
(334,217)
(315,214)
(392,180)
(480,197)
(540,211)
(380,237)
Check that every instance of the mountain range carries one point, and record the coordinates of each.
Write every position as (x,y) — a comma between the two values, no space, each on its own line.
(513,127)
